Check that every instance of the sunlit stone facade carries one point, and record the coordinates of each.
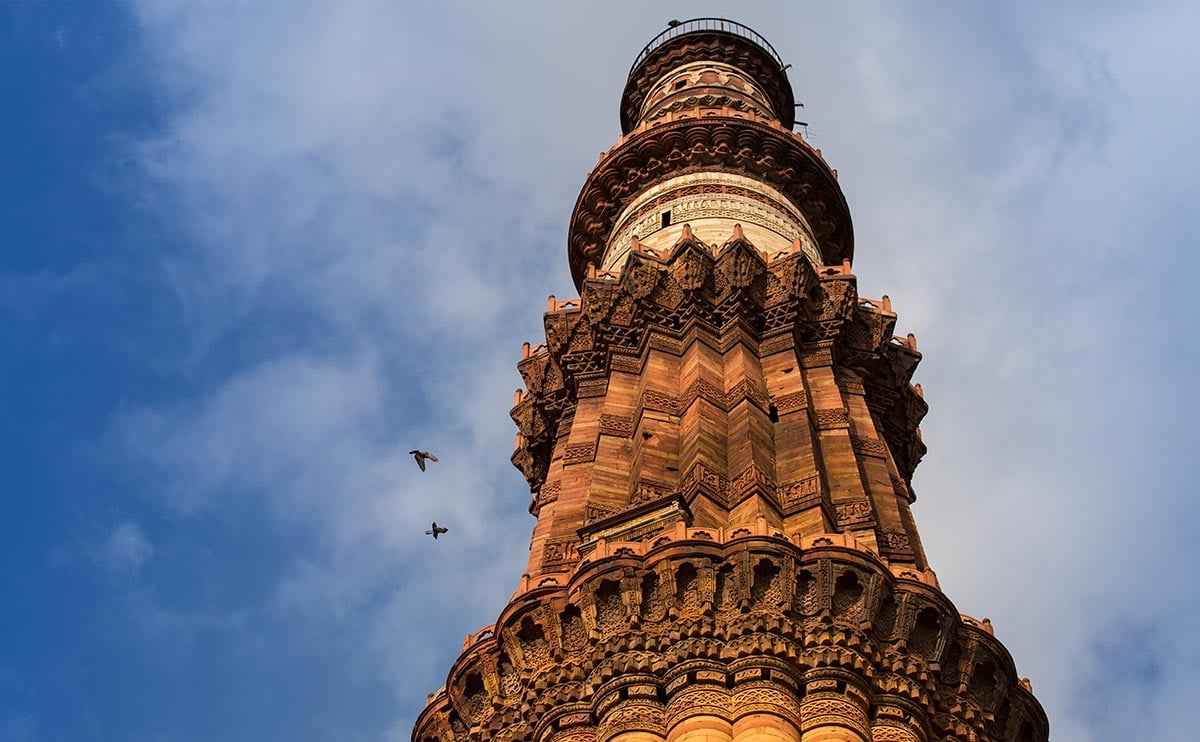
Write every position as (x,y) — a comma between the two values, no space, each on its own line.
(719,437)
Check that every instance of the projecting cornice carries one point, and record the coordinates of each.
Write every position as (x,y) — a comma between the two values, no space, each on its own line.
(724,143)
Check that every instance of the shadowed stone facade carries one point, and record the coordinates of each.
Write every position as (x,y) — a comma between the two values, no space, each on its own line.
(719,436)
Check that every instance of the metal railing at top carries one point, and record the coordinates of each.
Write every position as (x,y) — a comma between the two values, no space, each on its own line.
(705,24)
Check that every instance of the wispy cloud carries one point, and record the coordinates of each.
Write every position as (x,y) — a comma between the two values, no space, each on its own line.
(126,549)
(369,200)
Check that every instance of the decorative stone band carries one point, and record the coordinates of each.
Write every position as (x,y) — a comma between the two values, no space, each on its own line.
(832,709)
(647,637)
(722,143)
(711,203)
(707,76)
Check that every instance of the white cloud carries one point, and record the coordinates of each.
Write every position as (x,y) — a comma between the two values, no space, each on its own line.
(398,181)
(126,549)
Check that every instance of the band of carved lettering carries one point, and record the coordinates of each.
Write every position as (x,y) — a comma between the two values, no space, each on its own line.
(800,494)
(665,343)
(855,513)
(560,550)
(893,542)
(593,513)
(701,478)
(647,489)
(746,481)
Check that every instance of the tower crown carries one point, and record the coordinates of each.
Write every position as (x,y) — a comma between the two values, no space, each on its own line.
(697,58)
(707,118)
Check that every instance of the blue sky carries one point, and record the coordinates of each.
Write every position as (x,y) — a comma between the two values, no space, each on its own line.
(254,252)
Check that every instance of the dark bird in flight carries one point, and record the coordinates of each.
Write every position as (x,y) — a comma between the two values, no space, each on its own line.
(436,530)
(420,456)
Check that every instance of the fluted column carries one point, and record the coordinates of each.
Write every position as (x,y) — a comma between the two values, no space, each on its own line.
(701,728)
(764,727)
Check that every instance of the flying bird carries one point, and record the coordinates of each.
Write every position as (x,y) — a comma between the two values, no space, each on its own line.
(436,530)
(420,456)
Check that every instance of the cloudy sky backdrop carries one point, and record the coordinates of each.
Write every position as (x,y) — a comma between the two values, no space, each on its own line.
(251,253)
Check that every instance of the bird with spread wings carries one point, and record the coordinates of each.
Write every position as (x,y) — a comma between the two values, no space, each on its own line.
(421,456)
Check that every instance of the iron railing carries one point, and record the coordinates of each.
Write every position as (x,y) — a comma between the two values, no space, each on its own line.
(705,24)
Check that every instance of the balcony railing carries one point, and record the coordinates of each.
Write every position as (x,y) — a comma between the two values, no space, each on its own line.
(705,24)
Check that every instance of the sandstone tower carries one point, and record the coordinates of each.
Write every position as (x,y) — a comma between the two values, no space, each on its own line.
(719,436)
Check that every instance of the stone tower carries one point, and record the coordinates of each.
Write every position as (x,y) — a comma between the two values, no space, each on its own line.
(719,436)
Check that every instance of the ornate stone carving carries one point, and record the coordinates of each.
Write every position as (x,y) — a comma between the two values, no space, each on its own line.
(823,709)
(791,402)
(800,494)
(653,399)
(549,492)
(816,358)
(869,446)
(617,425)
(831,419)
(856,513)
(648,489)
(894,542)
(578,453)
(703,478)
(561,550)
(593,513)
(745,482)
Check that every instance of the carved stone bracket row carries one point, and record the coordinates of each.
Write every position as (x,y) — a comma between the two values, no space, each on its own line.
(756,623)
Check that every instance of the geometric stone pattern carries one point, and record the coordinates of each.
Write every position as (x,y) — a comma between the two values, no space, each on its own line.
(752,385)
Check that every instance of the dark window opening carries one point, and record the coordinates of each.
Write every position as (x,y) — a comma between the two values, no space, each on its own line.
(666,218)
(773,413)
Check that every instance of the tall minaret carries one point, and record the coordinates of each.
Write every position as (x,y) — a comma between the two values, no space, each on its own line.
(719,436)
